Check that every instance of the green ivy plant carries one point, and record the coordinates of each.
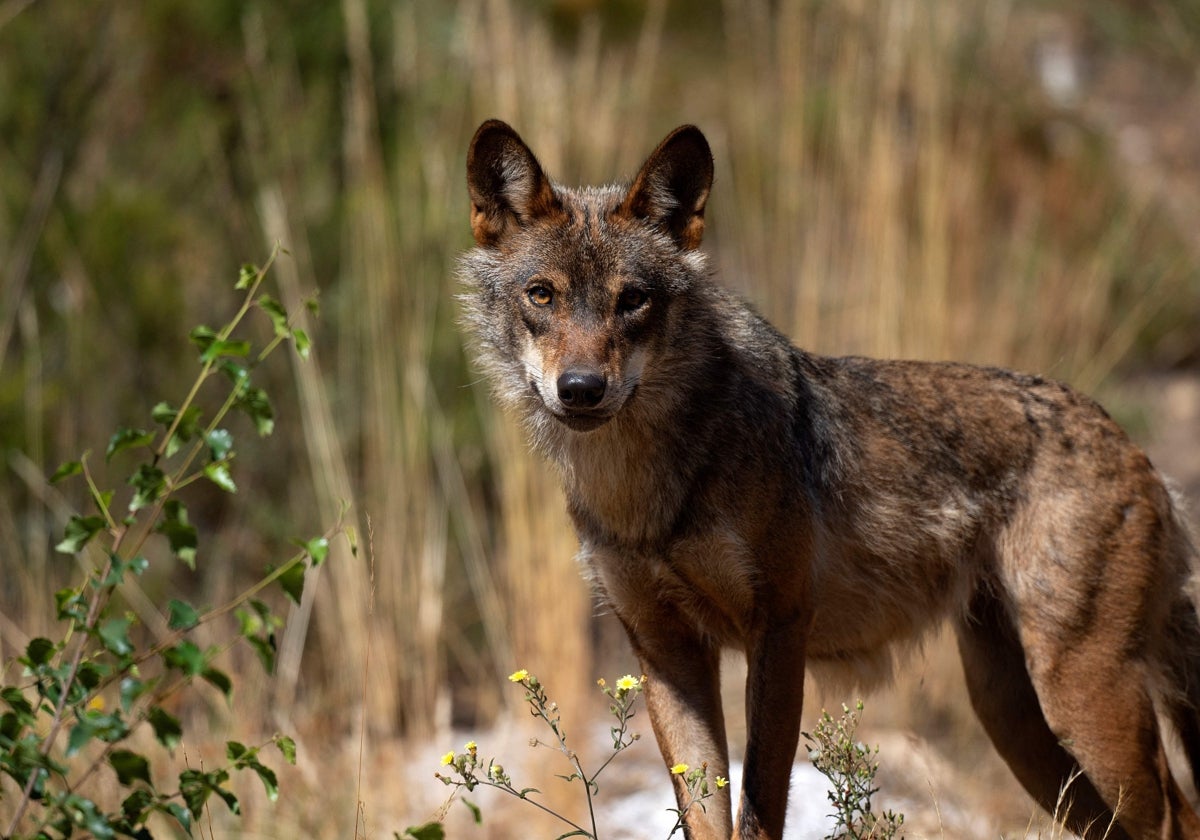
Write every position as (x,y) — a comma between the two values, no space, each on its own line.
(71,705)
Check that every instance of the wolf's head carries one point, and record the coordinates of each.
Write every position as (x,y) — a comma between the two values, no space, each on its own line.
(575,294)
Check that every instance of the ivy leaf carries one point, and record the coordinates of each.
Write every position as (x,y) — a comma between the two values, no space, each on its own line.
(79,531)
(225,347)
(278,314)
(179,533)
(38,652)
(149,482)
(166,727)
(186,657)
(219,679)
(114,634)
(292,581)
(265,648)
(130,767)
(247,274)
(125,438)
(318,550)
(254,402)
(70,605)
(187,428)
(131,689)
(302,342)
(220,444)
(218,474)
(182,615)
(287,746)
(269,779)
(68,469)
(181,814)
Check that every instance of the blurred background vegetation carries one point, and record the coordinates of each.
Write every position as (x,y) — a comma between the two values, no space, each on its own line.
(1003,181)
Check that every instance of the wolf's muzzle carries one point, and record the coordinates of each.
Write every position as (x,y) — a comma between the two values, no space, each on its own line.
(580,389)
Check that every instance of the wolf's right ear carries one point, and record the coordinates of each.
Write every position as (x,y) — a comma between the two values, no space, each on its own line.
(508,188)
(672,188)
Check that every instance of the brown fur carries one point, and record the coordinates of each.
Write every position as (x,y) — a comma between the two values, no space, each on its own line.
(729,489)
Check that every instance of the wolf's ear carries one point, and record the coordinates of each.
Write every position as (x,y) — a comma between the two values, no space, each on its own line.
(672,188)
(508,188)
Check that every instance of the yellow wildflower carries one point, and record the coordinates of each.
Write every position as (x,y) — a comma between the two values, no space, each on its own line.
(471,746)
(628,682)
(518,676)
(448,758)
(679,769)
(96,704)
(721,781)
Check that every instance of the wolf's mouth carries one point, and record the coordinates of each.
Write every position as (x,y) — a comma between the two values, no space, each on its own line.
(582,422)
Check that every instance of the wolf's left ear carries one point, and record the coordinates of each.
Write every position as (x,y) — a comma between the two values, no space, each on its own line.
(508,188)
(672,187)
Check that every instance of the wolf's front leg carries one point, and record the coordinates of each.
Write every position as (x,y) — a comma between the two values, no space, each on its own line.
(683,694)
(774,700)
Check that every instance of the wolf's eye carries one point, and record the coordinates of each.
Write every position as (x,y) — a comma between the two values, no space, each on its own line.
(540,295)
(631,299)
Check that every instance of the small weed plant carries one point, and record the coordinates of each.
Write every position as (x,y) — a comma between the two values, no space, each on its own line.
(70,706)
(850,767)
(465,771)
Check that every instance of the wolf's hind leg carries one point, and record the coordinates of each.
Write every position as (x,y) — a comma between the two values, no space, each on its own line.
(1005,702)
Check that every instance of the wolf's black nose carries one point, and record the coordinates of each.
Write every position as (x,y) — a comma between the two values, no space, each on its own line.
(580,389)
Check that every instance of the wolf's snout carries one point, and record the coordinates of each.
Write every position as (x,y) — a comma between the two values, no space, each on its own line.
(580,389)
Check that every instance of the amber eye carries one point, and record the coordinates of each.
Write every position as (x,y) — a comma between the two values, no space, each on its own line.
(540,295)
(631,299)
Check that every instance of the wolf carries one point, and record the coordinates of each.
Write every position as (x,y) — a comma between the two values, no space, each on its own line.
(731,490)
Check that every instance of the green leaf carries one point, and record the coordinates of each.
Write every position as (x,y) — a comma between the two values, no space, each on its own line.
(318,550)
(114,634)
(237,374)
(202,337)
(126,439)
(135,806)
(219,679)
(130,767)
(265,648)
(38,652)
(93,723)
(181,814)
(254,402)
(131,689)
(186,657)
(181,615)
(225,347)
(313,306)
(79,531)
(270,781)
(181,535)
(247,274)
(220,444)
(278,314)
(218,474)
(429,831)
(68,469)
(119,567)
(149,482)
(292,581)
(166,727)
(288,747)
(19,703)
(302,342)
(70,605)
(235,751)
(474,809)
